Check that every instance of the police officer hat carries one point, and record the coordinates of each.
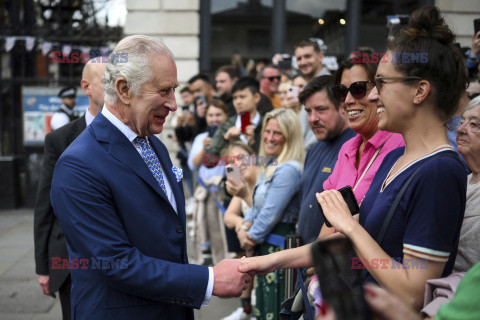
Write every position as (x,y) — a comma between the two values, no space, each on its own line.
(68,92)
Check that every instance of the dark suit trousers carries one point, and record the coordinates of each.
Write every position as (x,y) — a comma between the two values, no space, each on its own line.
(64,295)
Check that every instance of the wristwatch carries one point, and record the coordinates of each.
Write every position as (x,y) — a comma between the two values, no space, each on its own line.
(244,227)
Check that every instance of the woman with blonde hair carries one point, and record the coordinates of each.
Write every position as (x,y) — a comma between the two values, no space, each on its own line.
(275,201)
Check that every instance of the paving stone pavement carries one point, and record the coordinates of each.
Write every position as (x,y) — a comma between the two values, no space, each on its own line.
(20,294)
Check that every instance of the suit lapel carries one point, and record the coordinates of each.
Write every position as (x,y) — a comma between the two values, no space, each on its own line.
(124,151)
(172,179)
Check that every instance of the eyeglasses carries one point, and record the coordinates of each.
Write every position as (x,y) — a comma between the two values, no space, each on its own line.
(380,81)
(357,89)
(273,78)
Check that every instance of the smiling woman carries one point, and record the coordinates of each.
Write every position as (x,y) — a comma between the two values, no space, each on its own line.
(361,156)
(275,202)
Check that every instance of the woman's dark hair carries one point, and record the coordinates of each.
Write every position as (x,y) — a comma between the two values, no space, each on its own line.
(428,35)
(370,68)
(219,104)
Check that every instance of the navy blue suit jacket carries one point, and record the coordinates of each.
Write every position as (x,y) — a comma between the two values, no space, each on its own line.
(115,214)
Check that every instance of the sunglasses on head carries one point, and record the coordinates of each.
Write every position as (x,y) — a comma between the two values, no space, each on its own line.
(357,89)
(273,78)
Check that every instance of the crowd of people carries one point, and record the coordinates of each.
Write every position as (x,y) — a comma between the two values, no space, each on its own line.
(263,154)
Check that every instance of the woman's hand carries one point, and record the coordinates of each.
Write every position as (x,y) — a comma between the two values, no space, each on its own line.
(236,189)
(336,211)
(387,306)
(245,241)
(206,143)
(258,265)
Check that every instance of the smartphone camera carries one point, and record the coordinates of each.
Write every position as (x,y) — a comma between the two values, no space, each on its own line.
(340,284)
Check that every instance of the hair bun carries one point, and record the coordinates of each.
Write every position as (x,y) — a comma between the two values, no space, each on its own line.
(428,22)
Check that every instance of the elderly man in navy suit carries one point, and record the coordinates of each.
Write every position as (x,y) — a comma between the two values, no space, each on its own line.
(121,204)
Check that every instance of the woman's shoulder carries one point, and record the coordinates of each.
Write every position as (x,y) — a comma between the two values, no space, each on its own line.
(445,162)
(351,144)
(290,166)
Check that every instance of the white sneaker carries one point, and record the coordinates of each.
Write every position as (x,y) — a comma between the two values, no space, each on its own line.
(237,315)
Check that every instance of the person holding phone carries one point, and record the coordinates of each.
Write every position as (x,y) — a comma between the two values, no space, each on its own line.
(412,99)
(207,218)
(242,192)
(275,202)
(246,96)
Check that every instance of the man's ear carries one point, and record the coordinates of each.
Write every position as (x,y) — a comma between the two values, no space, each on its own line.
(421,93)
(257,98)
(85,86)
(123,91)
(321,56)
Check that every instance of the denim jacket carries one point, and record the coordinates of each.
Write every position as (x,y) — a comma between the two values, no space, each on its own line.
(275,200)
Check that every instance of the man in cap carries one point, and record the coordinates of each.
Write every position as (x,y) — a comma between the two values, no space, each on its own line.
(65,113)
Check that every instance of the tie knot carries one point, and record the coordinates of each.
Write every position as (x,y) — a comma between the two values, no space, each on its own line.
(142,142)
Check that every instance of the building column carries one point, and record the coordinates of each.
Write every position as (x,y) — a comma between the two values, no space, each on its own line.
(279,26)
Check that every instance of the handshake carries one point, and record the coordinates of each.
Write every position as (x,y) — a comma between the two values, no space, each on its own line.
(232,276)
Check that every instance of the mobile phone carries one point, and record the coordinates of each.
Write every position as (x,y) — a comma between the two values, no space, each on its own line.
(349,197)
(233,172)
(476,25)
(339,283)
(202,98)
(211,130)
(245,120)
(185,108)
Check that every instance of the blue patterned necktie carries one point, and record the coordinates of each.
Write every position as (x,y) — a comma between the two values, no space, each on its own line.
(151,160)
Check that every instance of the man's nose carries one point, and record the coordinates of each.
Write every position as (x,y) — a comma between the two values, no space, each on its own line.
(172,102)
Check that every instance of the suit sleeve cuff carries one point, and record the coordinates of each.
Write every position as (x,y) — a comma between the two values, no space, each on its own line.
(208,292)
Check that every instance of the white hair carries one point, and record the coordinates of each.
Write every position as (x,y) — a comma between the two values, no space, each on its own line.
(473,103)
(130,59)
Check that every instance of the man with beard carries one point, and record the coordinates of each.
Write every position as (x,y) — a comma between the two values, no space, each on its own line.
(225,78)
(330,126)
(309,57)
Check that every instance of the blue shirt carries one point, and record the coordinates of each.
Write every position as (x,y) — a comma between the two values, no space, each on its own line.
(429,217)
(275,199)
(319,164)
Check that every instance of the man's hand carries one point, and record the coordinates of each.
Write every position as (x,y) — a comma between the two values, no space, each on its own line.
(186,119)
(228,280)
(44,282)
(232,134)
(250,134)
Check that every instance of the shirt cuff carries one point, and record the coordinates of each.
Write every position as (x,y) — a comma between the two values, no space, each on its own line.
(208,292)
